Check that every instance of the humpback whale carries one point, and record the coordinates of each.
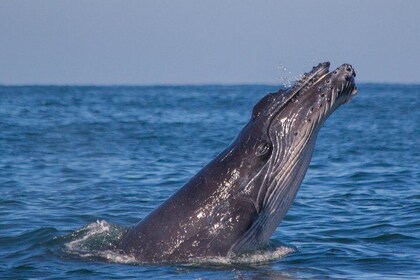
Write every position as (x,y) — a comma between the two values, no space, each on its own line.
(234,203)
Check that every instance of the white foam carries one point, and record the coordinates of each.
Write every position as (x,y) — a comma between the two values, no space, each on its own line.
(98,241)
(249,258)
(264,256)
(93,229)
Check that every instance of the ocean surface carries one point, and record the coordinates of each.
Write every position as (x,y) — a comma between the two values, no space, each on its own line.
(78,165)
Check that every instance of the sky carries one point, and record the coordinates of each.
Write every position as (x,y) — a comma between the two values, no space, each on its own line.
(101,42)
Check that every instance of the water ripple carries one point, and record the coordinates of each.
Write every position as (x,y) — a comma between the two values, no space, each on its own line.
(73,155)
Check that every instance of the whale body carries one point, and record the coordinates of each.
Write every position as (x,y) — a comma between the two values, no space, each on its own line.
(234,203)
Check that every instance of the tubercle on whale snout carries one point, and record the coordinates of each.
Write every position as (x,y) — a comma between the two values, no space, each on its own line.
(309,77)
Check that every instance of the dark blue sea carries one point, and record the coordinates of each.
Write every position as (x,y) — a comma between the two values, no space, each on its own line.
(80,164)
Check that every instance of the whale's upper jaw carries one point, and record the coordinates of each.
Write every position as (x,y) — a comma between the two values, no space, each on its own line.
(338,85)
(309,78)
(342,78)
(313,88)
(320,92)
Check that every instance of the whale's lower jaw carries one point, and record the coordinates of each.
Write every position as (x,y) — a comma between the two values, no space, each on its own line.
(283,190)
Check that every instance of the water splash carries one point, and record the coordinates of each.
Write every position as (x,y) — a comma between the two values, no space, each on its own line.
(98,241)
(268,254)
(286,77)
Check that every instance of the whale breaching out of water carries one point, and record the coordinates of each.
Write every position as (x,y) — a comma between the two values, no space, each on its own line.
(234,204)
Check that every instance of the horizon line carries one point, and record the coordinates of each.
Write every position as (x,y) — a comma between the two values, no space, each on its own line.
(180,84)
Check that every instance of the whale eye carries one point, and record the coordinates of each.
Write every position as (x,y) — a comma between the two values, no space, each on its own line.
(263,149)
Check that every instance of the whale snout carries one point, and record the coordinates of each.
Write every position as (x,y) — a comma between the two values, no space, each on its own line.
(344,76)
(346,71)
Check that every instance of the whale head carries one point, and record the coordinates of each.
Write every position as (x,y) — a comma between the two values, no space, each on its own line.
(279,140)
(309,102)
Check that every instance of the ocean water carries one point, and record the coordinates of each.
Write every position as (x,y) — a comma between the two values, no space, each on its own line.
(80,164)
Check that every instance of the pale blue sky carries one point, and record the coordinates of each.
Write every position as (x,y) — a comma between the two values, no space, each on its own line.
(194,42)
